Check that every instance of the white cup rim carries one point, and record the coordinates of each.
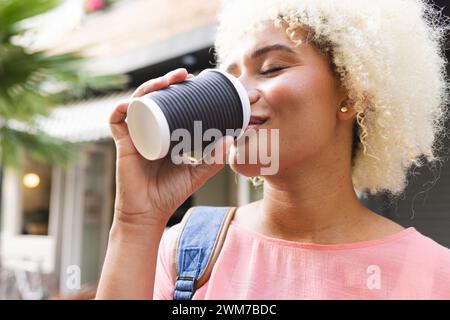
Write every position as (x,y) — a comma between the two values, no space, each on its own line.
(145,119)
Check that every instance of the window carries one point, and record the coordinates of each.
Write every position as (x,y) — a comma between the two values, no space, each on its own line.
(36,188)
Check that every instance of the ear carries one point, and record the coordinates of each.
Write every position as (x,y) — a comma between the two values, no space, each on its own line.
(349,114)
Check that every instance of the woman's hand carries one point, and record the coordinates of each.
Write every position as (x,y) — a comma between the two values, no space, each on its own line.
(148,192)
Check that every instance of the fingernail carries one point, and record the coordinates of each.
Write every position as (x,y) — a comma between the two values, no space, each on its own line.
(176,71)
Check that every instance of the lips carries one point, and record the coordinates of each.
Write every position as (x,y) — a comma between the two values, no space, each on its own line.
(255,122)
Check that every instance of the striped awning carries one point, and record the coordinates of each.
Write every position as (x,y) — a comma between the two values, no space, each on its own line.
(83,121)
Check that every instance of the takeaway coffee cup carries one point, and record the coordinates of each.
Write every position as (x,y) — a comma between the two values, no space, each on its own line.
(212,100)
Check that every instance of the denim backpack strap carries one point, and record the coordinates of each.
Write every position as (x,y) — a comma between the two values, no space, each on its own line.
(198,246)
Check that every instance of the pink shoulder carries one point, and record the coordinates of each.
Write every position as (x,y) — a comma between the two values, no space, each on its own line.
(169,243)
(431,246)
(437,255)
(171,234)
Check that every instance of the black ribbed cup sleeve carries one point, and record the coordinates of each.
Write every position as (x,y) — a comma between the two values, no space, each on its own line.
(210,98)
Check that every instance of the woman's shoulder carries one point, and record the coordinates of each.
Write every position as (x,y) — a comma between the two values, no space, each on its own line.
(433,261)
(173,233)
(172,239)
(434,254)
(432,247)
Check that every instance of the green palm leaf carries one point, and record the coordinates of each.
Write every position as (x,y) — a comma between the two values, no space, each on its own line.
(32,83)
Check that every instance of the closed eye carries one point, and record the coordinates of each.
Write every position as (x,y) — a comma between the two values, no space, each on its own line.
(272,70)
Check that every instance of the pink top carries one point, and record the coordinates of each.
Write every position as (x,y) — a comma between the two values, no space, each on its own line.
(405,265)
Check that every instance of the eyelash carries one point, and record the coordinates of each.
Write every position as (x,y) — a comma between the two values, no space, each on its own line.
(272,70)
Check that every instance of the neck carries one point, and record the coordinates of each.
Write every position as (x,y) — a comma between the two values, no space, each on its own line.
(315,204)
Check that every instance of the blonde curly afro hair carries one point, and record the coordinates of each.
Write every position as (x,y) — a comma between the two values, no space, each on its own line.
(388,55)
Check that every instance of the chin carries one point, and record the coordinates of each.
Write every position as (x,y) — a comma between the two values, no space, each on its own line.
(252,165)
(247,170)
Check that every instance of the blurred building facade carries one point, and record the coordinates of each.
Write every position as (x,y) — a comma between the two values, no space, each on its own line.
(54,218)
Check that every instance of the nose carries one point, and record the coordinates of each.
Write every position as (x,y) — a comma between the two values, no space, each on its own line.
(253,95)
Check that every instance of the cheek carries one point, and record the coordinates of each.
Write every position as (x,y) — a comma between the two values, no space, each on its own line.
(303,107)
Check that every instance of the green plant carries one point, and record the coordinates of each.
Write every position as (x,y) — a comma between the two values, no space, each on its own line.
(32,83)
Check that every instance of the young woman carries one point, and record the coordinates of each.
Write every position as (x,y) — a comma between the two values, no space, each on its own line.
(358,92)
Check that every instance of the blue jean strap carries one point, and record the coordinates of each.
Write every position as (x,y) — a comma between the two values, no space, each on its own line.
(195,246)
(191,267)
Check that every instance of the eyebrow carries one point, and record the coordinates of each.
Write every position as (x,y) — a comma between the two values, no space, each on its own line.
(263,51)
